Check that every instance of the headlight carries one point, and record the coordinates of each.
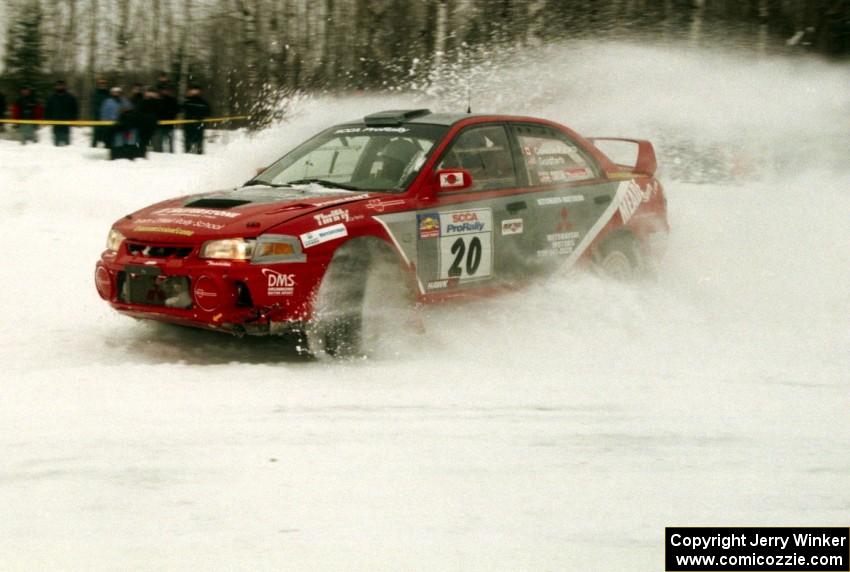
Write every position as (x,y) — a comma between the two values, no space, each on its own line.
(230,249)
(114,240)
(266,249)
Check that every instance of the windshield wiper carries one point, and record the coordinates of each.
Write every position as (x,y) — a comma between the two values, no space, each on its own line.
(325,183)
(254,182)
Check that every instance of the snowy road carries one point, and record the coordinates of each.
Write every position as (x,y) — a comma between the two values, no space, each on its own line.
(559,428)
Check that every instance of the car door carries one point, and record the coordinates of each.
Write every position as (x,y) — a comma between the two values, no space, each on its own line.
(570,199)
(460,241)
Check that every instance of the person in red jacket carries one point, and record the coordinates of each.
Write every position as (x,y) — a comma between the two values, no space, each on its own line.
(27,107)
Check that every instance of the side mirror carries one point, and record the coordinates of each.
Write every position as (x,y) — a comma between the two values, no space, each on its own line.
(453,180)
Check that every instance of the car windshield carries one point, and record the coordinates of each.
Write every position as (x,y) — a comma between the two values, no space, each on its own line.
(357,157)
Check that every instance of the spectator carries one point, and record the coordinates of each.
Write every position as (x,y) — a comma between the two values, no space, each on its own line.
(195,107)
(122,134)
(162,81)
(145,118)
(62,106)
(137,93)
(27,107)
(100,134)
(2,111)
(167,110)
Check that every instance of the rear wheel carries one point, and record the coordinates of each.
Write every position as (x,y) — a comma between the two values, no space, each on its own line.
(365,305)
(619,258)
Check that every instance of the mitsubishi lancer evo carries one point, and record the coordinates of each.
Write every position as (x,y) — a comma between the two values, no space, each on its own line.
(370,219)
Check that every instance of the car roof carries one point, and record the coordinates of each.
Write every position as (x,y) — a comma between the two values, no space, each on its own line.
(444,118)
(416,116)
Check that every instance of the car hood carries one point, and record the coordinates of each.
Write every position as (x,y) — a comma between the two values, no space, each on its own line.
(246,211)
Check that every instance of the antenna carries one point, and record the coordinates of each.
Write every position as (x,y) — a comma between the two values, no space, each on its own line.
(467,74)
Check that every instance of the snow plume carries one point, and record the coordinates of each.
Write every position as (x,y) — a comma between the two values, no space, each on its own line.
(710,113)
(557,428)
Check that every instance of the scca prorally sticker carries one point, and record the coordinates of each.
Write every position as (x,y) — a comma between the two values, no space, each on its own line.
(464,222)
(466,239)
(279,284)
(321,235)
(512,226)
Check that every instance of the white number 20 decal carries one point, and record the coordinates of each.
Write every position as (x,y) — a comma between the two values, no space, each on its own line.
(465,256)
(473,256)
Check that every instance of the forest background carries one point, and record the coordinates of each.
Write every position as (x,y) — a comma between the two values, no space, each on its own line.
(250,56)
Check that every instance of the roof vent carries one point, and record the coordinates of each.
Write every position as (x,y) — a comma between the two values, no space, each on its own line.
(395,117)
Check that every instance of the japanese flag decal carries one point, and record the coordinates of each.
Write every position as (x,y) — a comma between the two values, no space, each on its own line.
(450,180)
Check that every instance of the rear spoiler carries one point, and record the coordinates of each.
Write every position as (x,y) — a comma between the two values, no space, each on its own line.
(644,162)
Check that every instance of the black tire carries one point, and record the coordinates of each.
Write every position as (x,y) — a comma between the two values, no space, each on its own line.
(363,305)
(619,258)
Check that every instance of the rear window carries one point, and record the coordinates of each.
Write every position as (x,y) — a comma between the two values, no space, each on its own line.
(550,157)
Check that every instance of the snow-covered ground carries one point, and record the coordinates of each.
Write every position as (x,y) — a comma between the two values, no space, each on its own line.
(560,428)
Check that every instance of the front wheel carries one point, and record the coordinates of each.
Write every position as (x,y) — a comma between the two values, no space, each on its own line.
(365,305)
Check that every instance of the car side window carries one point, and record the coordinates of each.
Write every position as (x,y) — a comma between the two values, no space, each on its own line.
(486,154)
(550,157)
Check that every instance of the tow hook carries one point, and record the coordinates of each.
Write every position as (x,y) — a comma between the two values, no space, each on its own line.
(263,314)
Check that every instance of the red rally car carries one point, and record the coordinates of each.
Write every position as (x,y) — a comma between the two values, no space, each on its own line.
(368,219)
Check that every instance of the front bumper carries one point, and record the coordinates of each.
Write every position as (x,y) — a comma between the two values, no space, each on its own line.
(225,296)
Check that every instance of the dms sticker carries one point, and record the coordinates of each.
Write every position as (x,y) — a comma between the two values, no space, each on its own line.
(429,225)
(279,284)
(315,237)
(512,226)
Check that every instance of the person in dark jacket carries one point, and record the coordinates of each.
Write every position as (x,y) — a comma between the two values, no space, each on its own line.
(195,107)
(162,81)
(27,107)
(146,112)
(137,94)
(2,111)
(100,134)
(62,106)
(167,110)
